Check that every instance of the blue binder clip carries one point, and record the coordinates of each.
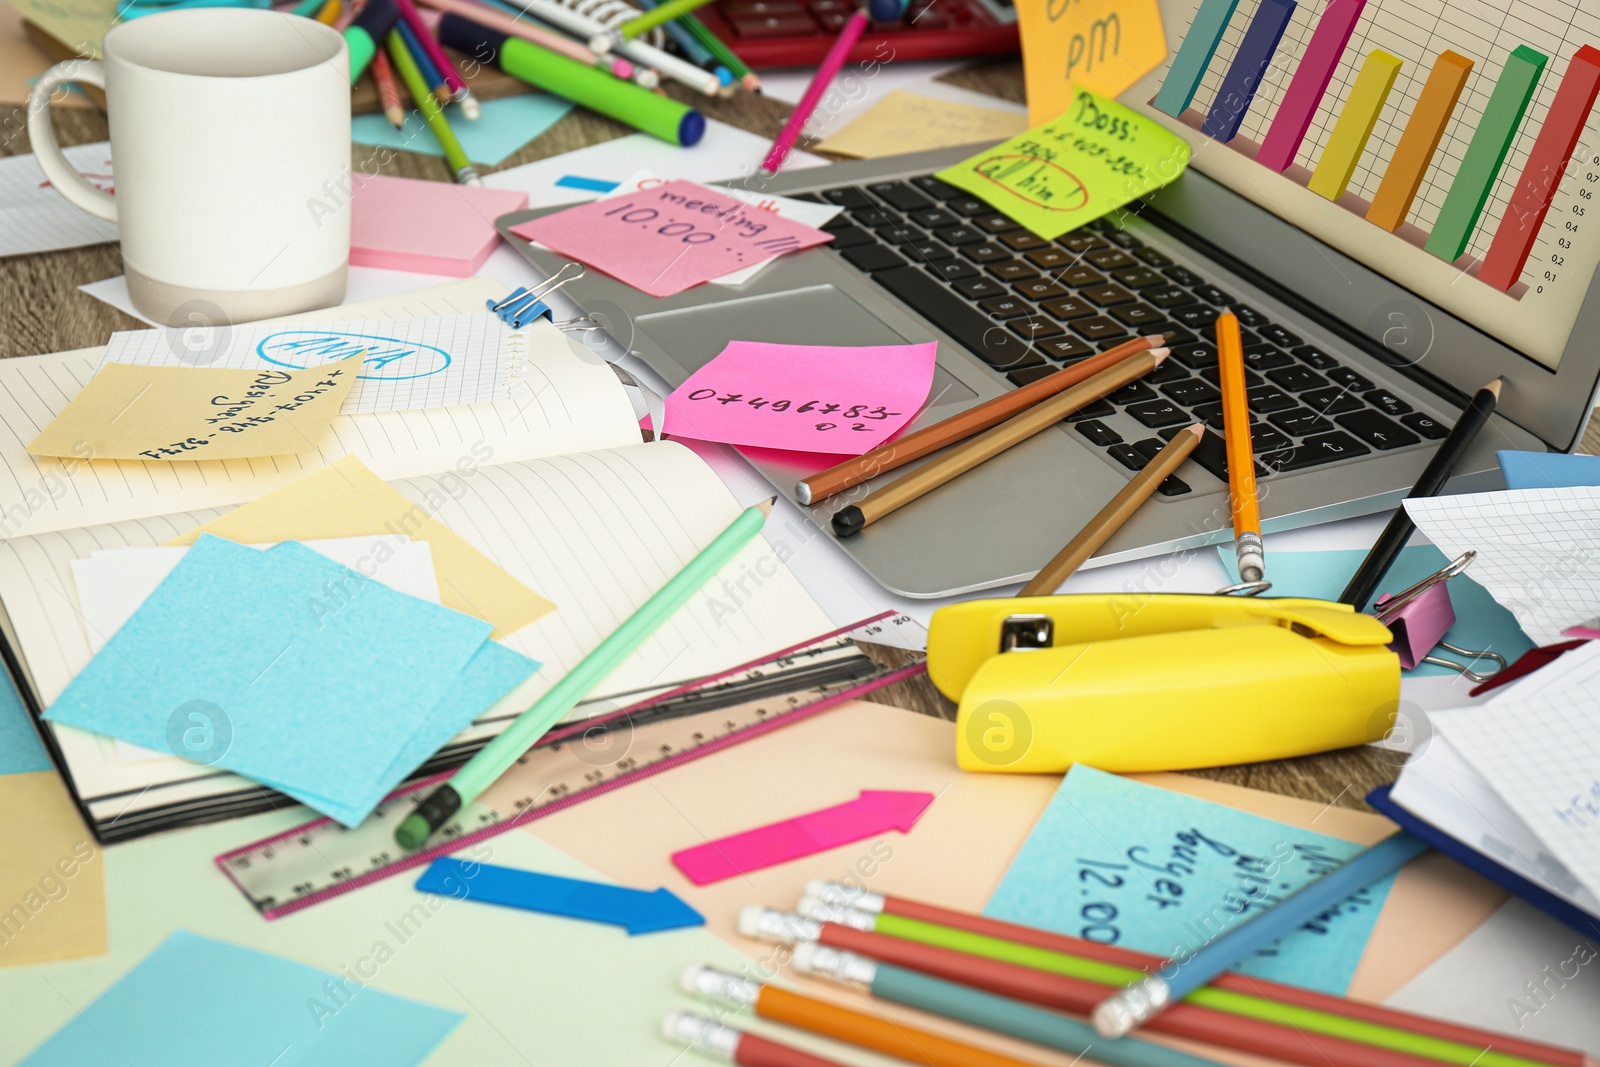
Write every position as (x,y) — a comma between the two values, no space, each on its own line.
(527,302)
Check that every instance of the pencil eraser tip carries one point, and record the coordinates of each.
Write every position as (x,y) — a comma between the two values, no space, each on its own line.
(689,977)
(849,521)
(750,920)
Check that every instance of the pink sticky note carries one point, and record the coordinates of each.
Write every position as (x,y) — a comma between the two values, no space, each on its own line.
(426,227)
(671,237)
(803,398)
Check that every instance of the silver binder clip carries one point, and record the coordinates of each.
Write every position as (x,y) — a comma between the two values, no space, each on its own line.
(527,302)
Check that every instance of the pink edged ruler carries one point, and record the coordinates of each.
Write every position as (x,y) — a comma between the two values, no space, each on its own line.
(874,812)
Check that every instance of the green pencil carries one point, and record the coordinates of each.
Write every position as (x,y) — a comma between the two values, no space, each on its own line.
(492,760)
(720,51)
(406,64)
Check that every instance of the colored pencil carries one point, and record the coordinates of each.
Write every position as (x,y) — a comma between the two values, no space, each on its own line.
(974,420)
(1118,511)
(723,54)
(841,1024)
(1242,495)
(718,1040)
(1432,480)
(438,88)
(693,49)
(491,761)
(832,63)
(330,12)
(388,90)
(909,487)
(308,8)
(584,28)
(455,86)
(1146,998)
(649,20)
(514,27)
(966,1004)
(1236,994)
(405,65)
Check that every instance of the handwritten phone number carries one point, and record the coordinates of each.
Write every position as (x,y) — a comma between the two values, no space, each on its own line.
(847,413)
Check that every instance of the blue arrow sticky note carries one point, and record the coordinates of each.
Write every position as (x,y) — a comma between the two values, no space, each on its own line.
(639,911)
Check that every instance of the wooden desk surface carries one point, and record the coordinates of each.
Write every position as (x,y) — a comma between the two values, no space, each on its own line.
(41,310)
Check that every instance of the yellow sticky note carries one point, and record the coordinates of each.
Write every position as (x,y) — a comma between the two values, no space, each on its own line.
(1096,157)
(158,414)
(1100,45)
(346,499)
(909,122)
(52,883)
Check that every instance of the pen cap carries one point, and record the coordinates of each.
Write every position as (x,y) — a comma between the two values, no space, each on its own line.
(887,10)
(370,27)
(1174,701)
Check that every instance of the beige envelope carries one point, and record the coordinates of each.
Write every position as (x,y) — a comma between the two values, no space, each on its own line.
(52,889)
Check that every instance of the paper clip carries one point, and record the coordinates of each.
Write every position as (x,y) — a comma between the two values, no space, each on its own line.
(1419,615)
(527,302)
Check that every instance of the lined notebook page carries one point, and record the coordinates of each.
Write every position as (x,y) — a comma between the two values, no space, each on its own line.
(1541,754)
(597,533)
(570,401)
(1538,550)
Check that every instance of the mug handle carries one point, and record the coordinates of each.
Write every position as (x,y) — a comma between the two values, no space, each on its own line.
(41,132)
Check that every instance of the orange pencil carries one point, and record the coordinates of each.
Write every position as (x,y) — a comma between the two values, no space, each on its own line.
(388,89)
(1240,450)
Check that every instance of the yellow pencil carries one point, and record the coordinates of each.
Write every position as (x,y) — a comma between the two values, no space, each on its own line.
(1240,451)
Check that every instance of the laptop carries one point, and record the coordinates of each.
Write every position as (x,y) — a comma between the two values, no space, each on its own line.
(1361,350)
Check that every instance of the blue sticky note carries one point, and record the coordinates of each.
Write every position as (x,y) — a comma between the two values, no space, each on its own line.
(1123,863)
(591,185)
(195,1002)
(20,750)
(1547,470)
(1481,623)
(504,126)
(256,662)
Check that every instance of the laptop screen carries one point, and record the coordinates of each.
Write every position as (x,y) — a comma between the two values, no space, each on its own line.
(1429,155)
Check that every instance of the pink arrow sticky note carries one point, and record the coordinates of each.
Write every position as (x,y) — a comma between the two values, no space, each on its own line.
(874,812)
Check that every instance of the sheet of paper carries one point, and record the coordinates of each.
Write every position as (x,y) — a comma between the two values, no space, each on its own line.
(804,398)
(434,361)
(1480,624)
(78,24)
(911,122)
(1091,159)
(53,877)
(504,126)
(346,499)
(302,688)
(1541,753)
(1123,863)
(569,402)
(1104,46)
(243,1006)
(440,228)
(36,218)
(670,238)
(21,63)
(1547,470)
(159,414)
(1522,974)
(1536,550)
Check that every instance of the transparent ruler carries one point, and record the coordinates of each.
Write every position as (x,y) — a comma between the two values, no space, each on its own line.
(321,860)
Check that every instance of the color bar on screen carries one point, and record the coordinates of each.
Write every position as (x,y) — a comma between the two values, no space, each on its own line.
(1552,151)
(1249,67)
(1194,56)
(1354,127)
(1420,140)
(1310,82)
(1486,153)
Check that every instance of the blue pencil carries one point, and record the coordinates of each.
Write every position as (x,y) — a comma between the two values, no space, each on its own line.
(430,73)
(692,49)
(1127,1010)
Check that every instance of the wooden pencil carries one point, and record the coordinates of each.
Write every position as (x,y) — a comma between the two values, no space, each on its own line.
(902,491)
(1120,508)
(961,426)
(388,89)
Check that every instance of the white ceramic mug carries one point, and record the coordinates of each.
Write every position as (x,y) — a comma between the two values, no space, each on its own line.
(230,132)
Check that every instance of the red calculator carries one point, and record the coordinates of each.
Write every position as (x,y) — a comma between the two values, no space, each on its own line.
(798,33)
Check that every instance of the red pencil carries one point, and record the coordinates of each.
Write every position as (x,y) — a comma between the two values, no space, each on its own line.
(1237,983)
(721,1041)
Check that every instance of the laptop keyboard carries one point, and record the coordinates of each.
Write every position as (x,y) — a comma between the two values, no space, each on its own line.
(1028,307)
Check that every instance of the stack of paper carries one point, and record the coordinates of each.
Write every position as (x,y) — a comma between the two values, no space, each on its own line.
(293,670)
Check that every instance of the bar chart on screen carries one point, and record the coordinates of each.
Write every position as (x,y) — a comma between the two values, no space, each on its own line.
(1464,128)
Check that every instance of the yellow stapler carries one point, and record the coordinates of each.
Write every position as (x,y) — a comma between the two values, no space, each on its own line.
(1141,682)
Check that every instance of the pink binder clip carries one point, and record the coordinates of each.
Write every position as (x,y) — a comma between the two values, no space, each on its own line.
(1420,615)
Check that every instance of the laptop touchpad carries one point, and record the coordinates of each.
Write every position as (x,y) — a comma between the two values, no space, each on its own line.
(821,315)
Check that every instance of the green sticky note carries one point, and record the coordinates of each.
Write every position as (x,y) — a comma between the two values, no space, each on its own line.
(1093,159)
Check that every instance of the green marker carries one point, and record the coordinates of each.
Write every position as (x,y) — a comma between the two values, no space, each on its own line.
(494,758)
(374,23)
(595,89)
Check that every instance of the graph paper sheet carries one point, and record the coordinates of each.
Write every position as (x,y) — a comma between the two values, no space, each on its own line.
(406,364)
(36,218)
(1538,550)
(1541,754)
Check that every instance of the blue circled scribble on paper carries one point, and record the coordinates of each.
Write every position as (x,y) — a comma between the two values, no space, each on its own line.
(383,358)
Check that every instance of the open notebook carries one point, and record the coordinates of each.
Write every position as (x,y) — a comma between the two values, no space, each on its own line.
(562,494)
